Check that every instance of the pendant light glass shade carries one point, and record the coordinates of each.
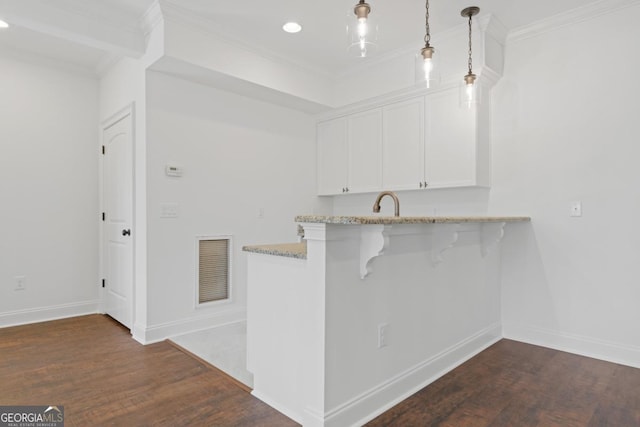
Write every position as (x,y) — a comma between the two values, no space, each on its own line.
(426,67)
(469,93)
(362,30)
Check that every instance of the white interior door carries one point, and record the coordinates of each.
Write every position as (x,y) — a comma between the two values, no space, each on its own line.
(118,207)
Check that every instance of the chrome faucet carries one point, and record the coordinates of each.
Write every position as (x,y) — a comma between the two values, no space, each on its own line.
(396,202)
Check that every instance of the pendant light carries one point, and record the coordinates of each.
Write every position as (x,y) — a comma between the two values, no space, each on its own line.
(362,32)
(427,52)
(470,92)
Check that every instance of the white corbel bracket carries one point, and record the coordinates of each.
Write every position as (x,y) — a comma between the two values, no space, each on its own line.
(491,233)
(373,242)
(443,238)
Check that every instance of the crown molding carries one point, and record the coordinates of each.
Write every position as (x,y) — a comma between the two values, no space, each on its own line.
(492,26)
(61,21)
(151,18)
(488,77)
(573,16)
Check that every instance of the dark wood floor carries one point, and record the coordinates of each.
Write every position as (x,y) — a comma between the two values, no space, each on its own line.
(101,376)
(520,385)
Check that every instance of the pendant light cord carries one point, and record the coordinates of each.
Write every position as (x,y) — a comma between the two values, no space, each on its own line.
(427,36)
(470,51)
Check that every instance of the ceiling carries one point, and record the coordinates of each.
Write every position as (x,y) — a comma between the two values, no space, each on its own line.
(88,31)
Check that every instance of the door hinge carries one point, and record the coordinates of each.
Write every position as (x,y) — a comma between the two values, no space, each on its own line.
(103,283)
(104,216)
(103,149)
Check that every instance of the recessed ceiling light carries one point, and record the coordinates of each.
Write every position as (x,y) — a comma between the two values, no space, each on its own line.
(292,27)
(3,24)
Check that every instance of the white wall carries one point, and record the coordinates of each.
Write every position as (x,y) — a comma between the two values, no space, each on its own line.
(48,182)
(437,315)
(565,129)
(239,156)
(458,201)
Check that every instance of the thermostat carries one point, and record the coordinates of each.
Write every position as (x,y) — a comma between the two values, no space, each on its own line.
(173,170)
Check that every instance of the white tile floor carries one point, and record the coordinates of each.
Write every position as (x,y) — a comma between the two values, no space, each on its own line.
(225,347)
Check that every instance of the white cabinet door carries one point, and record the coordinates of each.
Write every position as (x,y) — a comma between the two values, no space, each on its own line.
(403,145)
(423,142)
(332,156)
(450,143)
(365,151)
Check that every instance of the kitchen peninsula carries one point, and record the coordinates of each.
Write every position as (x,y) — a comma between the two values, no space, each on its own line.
(369,310)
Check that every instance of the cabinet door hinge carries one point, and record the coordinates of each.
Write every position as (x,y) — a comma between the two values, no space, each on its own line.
(103,282)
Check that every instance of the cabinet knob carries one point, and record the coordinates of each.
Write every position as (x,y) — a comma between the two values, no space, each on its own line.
(420,184)
(425,184)
(347,189)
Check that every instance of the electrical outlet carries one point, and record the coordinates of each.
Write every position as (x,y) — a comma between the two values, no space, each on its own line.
(383,335)
(576,209)
(21,283)
(168,210)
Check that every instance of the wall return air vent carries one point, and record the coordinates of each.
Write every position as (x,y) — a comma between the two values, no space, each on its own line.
(214,269)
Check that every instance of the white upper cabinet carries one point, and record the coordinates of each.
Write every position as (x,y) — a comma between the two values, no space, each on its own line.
(403,145)
(332,156)
(365,151)
(350,154)
(452,145)
(423,142)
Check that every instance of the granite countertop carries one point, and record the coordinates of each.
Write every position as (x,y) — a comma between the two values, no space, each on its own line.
(389,220)
(289,250)
(299,250)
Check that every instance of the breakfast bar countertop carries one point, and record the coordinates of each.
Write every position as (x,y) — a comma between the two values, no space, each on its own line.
(390,220)
(299,249)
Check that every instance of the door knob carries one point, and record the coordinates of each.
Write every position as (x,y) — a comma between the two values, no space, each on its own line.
(126,232)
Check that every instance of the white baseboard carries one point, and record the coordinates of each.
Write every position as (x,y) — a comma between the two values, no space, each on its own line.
(376,401)
(583,346)
(148,334)
(44,314)
(295,416)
